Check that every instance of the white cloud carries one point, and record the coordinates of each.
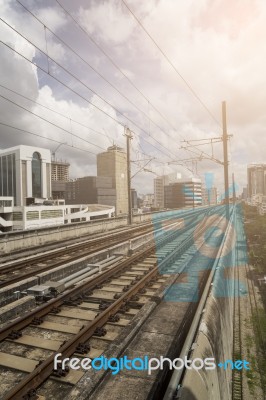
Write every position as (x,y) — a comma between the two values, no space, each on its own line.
(52,17)
(107,20)
(218,47)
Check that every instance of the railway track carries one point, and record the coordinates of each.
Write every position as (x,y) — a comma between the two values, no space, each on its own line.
(27,267)
(257,329)
(237,375)
(122,289)
(244,274)
(179,384)
(62,243)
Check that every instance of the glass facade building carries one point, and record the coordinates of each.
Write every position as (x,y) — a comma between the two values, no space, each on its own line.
(36,175)
(8,175)
(25,172)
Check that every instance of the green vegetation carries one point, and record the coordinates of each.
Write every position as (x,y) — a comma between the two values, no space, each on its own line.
(252,374)
(255,228)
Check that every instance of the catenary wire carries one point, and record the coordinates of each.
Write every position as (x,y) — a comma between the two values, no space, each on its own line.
(45,138)
(171,64)
(63,68)
(90,66)
(64,116)
(157,161)
(51,123)
(115,64)
(75,92)
(53,111)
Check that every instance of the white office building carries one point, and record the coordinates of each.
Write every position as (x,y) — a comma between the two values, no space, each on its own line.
(45,215)
(25,171)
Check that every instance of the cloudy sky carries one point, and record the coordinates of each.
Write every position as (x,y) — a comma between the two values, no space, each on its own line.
(104,72)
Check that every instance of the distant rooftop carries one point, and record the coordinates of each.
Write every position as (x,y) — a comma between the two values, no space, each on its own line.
(187,180)
(60,162)
(258,165)
(115,148)
(97,207)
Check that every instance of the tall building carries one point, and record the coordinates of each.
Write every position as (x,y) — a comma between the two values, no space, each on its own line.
(148,200)
(113,163)
(244,195)
(159,183)
(60,171)
(25,171)
(59,177)
(134,198)
(256,179)
(91,190)
(209,196)
(183,193)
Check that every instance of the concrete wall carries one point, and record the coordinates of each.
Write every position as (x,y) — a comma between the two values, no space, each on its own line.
(215,336)
(15,241)
(17,308)
(7,294)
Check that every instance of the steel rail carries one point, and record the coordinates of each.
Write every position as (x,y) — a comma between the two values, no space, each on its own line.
(38,259)
(71,248)
(45,369)
(176,377)
(237,375)
(78,290)
(122,232)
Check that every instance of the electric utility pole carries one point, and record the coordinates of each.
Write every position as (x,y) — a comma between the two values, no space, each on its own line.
(129,137)
(193,147)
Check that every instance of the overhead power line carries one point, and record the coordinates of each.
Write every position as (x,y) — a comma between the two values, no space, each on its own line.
(170,63)
(115,64)
(46,28)
(72,75)
(73,120)
(82,83)
(45,138)
(82,97)
(55,112)
(51,123)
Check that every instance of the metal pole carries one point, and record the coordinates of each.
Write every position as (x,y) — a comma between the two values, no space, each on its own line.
(225,163)
(129,137)
(193,194)
(234,188)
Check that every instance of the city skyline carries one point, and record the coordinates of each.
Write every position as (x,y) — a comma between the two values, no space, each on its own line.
(225,43)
